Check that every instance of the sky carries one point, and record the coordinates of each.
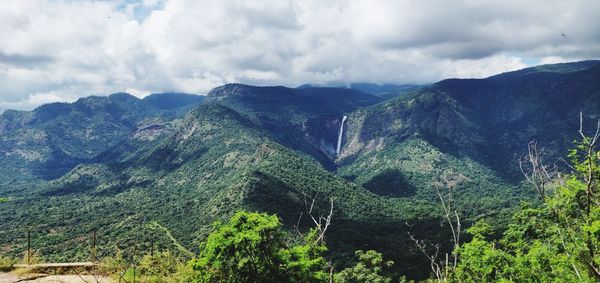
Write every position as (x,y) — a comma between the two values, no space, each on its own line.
(60,50)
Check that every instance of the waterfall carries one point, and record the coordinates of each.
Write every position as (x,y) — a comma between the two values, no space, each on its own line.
(339,141)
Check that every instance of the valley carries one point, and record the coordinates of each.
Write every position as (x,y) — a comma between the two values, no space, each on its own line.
(155,173)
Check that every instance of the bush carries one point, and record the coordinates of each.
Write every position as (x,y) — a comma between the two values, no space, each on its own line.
(251,248)
(6,263)
(370,269)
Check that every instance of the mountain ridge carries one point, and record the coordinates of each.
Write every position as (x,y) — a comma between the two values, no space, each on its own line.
(269,149)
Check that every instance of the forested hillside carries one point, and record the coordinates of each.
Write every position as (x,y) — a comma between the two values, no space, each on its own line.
(47,142)
(472,131)
(144,172)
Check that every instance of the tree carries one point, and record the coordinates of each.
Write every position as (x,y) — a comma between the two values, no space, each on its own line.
(3,200)
(555,241)
(535,170)
(251,247)
(370,269)
(442,268)
(480,261)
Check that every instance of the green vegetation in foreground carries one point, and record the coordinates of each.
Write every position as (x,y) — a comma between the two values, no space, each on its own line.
(251,247)
(557,240)
(370,268)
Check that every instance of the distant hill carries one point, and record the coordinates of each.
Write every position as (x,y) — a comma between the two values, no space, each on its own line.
(304,119)
(476,128)
(385,91)
(48,141)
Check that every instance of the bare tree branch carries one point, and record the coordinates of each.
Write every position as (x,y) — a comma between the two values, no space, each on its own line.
(589,143)
(322,222)
(535,171)
(442,268)
(436,267)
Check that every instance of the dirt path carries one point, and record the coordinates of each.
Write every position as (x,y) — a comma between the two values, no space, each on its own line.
(7,278)
(10,278)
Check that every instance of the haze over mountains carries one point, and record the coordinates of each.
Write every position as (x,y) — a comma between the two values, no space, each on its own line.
(121,165)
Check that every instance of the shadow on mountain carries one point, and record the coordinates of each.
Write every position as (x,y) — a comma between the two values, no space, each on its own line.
(55,167)
(389,237)
(390,182)
(345,236)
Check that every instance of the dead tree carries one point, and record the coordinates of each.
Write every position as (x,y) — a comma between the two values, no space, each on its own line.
(590,178)
(535,171)
(452,219)
(442,267)
(589,143)
(431,252)
(322,221)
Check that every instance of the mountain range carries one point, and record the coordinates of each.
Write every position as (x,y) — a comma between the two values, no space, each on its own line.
(163,168)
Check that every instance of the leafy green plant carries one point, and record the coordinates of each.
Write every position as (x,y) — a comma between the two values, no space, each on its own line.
(6,263)
(371,268)
(162,267)
(251,248)
(556,241)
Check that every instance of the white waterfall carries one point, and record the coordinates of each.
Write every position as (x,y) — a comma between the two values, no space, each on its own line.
(339,142)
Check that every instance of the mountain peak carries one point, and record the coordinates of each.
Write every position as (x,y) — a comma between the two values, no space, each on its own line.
(235,89)
(568,67)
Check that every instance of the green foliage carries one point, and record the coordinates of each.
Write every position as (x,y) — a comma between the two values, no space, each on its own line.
(3,200)
(48,141)
(371,268)
(245,247)
(6,263)
(479,261)
(305,263)
(557,241)
(163,267)
(251,248)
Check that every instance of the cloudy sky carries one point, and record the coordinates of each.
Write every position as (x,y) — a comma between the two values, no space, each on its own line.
(64,49)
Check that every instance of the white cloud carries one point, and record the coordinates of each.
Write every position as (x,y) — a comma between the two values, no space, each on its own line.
(62,49)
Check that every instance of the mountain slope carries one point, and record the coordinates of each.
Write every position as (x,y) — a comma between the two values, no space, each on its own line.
(270,149)
(384,91)
(478,127)
(215,162)
(47,142)
(305,119)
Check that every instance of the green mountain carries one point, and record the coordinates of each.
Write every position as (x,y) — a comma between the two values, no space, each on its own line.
(475,127)
(138,173)
(47,142)
(384,91)
(303,119)
(216,162)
